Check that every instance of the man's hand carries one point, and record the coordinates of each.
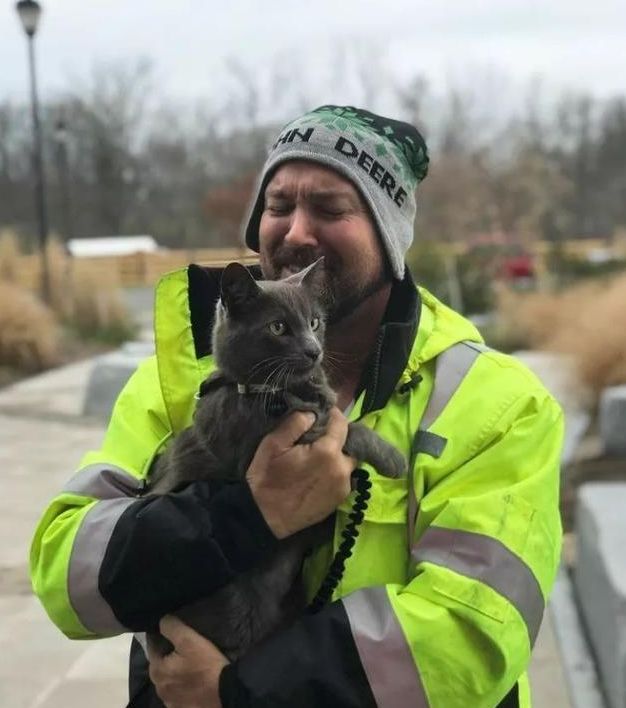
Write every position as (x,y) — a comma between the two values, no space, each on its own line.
(296,486)
(189,676)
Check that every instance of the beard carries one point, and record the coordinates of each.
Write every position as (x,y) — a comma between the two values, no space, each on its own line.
(341,289)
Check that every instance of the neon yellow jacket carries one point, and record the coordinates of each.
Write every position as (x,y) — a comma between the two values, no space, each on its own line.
(439,607)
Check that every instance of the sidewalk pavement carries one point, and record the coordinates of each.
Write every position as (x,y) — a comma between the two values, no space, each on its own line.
(42,438)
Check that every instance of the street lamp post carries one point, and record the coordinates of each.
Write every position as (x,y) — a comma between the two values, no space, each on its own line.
(29,12)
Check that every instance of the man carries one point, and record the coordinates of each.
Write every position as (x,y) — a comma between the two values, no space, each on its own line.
(442,598)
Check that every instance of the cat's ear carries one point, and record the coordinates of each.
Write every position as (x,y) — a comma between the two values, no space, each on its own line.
(238,288)
(309,276)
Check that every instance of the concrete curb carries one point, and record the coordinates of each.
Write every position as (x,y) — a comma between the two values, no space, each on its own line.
(579,666)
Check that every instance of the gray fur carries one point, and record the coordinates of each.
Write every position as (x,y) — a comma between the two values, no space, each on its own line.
(228,427)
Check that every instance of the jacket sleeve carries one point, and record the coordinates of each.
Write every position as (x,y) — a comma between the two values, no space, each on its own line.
(104,561)
(460,632)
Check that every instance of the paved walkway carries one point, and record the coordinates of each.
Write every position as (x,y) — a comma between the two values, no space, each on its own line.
(42,438)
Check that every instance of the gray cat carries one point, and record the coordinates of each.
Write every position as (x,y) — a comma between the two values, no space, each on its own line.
(267,343)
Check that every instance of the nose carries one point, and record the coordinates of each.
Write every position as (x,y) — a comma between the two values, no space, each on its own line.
(312,354)
(301,229)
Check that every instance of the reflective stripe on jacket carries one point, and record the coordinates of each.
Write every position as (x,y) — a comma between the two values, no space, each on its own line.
(446,617)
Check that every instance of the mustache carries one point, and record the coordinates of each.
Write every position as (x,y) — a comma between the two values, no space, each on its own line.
(299,256)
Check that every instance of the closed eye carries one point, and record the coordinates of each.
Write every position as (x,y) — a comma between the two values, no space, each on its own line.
(331,213)
(278,209)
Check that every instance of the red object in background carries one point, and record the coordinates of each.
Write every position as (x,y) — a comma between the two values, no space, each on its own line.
(518,267)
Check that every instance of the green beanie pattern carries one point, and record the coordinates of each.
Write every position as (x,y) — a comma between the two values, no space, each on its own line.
(385,159)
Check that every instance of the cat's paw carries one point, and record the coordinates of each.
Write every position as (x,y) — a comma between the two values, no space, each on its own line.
(312,434)
(296,403)
(395,465)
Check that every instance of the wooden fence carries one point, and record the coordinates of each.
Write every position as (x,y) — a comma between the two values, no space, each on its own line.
(144,269)
(132,270)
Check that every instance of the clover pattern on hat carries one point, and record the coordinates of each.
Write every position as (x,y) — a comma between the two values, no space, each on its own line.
(401,138)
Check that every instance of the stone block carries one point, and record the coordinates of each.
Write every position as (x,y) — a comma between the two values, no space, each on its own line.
(612,420)
(600,581)
(108,376)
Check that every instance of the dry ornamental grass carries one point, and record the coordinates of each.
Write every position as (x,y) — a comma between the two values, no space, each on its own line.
(9,256)
(586,321)
(29,332)
(84,301)
(96,305)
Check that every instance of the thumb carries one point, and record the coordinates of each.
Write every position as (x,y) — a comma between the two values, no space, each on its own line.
(177,632)
(291,429)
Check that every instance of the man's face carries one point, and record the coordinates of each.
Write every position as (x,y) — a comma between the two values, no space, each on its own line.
(312,211)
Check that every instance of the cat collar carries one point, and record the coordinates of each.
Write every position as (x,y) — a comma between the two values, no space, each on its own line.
(247,389)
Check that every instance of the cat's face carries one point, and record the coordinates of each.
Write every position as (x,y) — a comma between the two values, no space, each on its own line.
(268,332)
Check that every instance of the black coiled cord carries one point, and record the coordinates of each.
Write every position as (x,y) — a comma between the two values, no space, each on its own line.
(362,486)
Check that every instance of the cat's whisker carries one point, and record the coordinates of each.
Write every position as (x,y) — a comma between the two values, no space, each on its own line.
(267,362)
(339,357)
(331,366)
(280,375)
(275,372)
(330,363)
(272,373)
(272,366)
(289,371)
(276,381)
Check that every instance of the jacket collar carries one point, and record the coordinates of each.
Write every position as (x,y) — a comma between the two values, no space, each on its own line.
(393,345)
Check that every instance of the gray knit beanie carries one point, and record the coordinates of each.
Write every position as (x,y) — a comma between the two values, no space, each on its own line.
(385,159)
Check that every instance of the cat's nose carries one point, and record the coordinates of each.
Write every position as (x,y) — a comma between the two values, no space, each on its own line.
(312,354)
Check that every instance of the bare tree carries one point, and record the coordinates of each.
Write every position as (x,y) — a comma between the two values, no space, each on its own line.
(611,163)
(576,122)
(529,196)
(16,170)
(105,119)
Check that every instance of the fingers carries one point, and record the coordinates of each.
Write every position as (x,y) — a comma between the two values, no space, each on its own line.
(171,627)
(292,429)
(185,639)
(179,633)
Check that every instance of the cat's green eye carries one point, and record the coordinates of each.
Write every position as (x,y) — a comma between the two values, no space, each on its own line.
(315,323)
(278,328)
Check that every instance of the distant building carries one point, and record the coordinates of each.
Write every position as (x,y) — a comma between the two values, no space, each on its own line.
(111,246)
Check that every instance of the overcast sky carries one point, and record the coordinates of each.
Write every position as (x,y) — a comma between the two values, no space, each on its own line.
(574,44)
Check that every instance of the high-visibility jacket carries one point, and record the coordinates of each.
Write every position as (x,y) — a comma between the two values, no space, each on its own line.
(442,598)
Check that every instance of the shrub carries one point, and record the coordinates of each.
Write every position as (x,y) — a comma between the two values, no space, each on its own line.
(426,261)
(96,310)
(568,269)
(87,298)
(434,265)
(29,333)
